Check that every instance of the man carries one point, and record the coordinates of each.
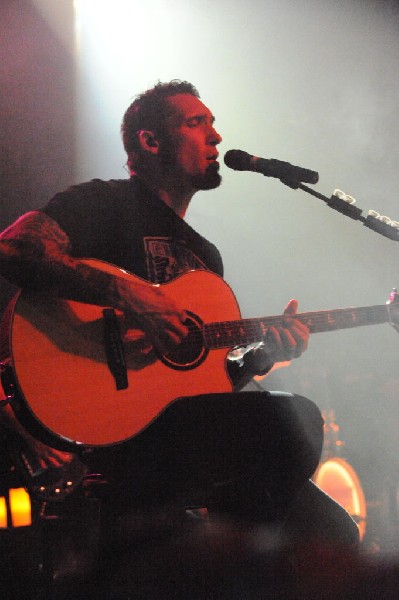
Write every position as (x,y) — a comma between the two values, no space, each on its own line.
(244,456)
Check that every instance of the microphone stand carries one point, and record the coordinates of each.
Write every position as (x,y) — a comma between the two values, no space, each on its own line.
(388,230)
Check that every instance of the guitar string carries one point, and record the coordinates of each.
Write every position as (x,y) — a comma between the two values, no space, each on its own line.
(252,330)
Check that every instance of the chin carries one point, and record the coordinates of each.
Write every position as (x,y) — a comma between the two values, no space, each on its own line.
(209,180)
(210,184)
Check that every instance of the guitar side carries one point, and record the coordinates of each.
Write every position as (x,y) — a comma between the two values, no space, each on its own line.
(61,368)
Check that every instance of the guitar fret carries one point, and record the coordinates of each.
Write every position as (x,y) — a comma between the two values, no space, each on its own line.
(235,333)
(345,318)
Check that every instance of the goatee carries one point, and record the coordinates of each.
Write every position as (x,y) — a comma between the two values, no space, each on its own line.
(208,180)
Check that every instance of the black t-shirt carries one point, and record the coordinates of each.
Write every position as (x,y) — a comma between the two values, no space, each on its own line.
(121,222)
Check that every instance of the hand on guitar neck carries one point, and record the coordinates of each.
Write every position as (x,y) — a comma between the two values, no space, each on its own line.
(279,346)
(290,339)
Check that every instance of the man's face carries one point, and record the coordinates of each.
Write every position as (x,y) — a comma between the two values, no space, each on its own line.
(191,145)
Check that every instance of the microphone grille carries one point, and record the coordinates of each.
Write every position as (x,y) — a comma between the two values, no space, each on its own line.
(238,160)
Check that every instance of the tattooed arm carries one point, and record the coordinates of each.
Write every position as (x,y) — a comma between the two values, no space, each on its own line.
(35,254)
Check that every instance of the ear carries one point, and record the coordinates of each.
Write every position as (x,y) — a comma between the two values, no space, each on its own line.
(148,141)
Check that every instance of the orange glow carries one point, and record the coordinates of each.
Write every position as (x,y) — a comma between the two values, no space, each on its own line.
(276,366)
(20,506)
(340,481)
(3,513)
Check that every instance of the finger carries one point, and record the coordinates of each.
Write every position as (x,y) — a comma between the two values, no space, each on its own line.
(296,340)
(176,330)
(299,330)
(165,340)
(291,308)
(273,344)
(50,459)
(172,327)
(290,346)
(164,331)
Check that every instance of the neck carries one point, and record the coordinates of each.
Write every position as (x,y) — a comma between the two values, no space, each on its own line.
(175,199)
(172,193)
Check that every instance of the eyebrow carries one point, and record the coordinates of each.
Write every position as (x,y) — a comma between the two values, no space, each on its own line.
(202,117)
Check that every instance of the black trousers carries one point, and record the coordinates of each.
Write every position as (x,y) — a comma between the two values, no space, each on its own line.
(248,456)
(200,444)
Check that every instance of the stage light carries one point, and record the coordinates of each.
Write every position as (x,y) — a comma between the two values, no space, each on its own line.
(3,513)
(18,505)
(118,53)
(339,480)
(122,32)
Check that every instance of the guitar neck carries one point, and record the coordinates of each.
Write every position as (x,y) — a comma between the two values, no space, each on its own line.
(248,331)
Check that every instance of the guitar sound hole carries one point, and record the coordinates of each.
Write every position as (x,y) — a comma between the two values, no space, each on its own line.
(191,352)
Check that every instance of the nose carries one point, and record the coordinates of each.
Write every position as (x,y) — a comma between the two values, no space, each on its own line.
(214,137)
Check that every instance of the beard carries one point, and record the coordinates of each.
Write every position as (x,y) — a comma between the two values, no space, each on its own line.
(208,180)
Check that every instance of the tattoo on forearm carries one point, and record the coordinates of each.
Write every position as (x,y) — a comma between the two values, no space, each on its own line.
(34,254)
(36,236)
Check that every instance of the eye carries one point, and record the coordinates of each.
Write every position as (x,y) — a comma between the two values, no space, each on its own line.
(193,121)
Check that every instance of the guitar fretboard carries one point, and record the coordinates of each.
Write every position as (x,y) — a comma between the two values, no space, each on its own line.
(247,331)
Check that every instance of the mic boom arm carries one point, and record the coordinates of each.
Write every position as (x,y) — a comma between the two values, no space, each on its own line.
(338,202)
(292,176)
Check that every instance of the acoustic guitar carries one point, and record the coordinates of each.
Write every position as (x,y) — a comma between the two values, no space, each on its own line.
(84,376)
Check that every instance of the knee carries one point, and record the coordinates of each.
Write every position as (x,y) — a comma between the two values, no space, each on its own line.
(301,421)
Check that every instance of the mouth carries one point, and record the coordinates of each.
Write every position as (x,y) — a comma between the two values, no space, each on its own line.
(212,157)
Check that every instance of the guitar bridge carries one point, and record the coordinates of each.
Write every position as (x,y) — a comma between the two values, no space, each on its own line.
(114,349)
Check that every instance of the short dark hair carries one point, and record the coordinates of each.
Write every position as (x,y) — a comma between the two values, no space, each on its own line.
(150,110)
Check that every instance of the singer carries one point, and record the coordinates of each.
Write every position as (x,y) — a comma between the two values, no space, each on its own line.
(245,456)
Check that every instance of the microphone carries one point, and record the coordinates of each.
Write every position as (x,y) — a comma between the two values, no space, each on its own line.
(242,161)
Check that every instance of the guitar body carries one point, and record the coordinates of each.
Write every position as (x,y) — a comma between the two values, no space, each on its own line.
(63,375)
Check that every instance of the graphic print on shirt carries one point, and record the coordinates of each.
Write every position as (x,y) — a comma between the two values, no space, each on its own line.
(167,258)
